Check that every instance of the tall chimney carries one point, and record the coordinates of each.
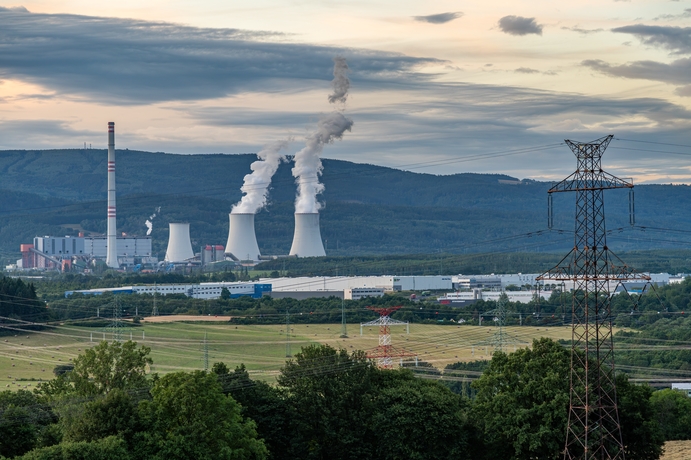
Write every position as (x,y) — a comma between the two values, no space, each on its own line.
(179,243)
(242,241)
(112,244)
(307,240)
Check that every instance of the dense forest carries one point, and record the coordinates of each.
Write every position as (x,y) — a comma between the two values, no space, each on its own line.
(367,209)
(327,404)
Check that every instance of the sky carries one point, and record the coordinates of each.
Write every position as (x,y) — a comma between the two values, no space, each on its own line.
(440,87)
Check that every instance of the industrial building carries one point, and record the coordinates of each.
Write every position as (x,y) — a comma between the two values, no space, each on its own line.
(341,283)
(195,291)
(49,252)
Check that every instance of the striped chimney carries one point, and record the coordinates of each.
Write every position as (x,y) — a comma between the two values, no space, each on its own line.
(112,243)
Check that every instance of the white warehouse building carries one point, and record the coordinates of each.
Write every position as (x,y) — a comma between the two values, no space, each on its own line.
(341,283)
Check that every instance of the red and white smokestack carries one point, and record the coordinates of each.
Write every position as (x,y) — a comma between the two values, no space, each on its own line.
(112,243)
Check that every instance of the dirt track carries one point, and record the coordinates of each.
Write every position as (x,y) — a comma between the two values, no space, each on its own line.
(173,318)
(677,450)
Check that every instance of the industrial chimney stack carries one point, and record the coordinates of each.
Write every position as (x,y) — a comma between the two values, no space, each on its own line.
(112,243)
(242,241)
(307,240)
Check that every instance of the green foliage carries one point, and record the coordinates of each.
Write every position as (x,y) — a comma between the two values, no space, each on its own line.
(103,368)
(347,408)
(522,406)
(433,419)
(672,410)
(109,366)
(190,417)
(522,400)
(103,449)
(18,300)
(276,417)
(640,431)
(114,414)
(24,422)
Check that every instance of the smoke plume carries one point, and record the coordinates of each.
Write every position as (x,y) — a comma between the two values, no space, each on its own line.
(340,83)
(308,165)
(149,222)
(256,184)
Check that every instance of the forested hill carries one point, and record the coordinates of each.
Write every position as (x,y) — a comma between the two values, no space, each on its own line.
(368,209)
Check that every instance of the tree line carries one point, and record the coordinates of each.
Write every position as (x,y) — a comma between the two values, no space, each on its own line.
(326,404)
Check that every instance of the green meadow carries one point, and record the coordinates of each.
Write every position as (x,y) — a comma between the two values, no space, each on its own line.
(27,357)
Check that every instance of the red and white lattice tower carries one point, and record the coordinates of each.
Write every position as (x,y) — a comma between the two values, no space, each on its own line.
(385,352)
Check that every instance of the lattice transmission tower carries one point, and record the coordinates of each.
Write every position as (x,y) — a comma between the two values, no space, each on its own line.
(594,431)
(385,352)
(117,326)
(501,340)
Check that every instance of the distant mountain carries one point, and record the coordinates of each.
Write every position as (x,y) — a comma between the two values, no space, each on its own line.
(368,209)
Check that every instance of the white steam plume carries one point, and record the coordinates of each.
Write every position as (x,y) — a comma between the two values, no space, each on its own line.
(308,165)
(340,83)
(149,223)
(256,184)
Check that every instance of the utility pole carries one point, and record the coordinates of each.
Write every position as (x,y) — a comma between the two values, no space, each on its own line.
(154,311)
(206,353)
(344,331)
(288,353)
(594,430)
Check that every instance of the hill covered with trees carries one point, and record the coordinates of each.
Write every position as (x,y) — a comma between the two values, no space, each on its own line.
(367,209)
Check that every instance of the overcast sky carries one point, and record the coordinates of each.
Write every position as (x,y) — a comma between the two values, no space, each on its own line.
(437,86)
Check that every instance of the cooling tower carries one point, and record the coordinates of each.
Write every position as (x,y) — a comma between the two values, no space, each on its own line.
(242,241)
(112,245)
(307,240)
(179,244)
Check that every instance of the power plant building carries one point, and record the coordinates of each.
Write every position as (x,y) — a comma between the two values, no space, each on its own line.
(242,240)
(307,239)
(179,243)
(50,251)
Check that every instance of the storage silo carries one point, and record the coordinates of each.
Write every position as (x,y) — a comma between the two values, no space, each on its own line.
(242,241)
(307,239)
(179,243)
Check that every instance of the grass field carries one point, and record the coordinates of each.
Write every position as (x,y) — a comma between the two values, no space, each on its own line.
(180,345)
(677,450)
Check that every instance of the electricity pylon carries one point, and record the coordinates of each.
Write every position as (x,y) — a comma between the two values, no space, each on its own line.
(594,430)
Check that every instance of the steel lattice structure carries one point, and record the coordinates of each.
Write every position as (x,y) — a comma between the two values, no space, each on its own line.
(385,352)
(594,431)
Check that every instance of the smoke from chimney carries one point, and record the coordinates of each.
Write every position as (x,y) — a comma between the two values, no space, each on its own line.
(308,165)
(256,184)
(340,83)
(150,221)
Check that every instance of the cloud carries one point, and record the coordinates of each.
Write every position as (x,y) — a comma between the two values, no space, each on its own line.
(517,25)
(455,121)
(441,18)
(526,70)
(125,61)
(675,39)
(669,17)
(583,31)
(684,91)
(43,134)
(677,73)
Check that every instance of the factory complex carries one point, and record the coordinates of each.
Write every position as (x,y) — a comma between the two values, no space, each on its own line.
(456,290)
(133,253)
